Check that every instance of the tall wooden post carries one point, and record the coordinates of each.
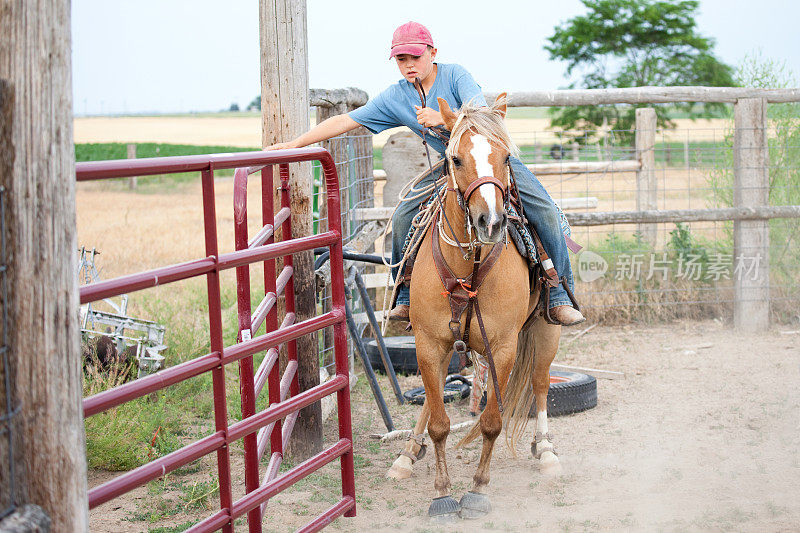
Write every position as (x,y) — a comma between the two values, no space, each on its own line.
(646,197)
(38,173)
(285,114)
(751,237)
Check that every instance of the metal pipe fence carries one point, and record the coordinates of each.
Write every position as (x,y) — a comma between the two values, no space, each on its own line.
(227,432)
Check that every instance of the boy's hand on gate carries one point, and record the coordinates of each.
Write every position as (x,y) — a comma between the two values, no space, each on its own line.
(279,146)
(428,117)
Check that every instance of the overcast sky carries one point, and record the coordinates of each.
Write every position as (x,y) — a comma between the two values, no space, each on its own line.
(202,55)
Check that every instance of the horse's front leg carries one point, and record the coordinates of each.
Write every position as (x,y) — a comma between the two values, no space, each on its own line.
(414,448)
(475,503)
(546,338)
(433,367)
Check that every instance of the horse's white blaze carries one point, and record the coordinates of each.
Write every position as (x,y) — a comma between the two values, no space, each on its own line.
(480,153)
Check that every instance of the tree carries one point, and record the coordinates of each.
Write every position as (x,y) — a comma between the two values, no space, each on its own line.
(634,43)
(234,107)
(255,105)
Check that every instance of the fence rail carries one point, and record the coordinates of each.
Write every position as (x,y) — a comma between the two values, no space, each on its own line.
(684,215)
(646,95)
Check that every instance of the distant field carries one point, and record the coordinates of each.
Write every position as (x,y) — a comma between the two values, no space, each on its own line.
(244,130)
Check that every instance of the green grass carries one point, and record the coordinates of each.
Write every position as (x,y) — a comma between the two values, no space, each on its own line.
(112,151)
(106,151)
(122,438)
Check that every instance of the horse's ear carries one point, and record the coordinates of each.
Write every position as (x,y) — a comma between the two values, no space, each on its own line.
(447,114)
(500,104)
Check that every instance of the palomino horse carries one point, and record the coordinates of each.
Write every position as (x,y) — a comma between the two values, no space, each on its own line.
(479,149)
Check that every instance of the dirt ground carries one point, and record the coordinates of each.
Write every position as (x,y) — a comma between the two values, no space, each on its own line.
(703,433)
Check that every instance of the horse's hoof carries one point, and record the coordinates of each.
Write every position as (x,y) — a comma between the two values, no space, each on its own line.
(549,464)
(444,509)
(474,505)
(398,472)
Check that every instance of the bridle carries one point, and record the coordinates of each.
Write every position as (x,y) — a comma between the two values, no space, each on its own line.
(462,198)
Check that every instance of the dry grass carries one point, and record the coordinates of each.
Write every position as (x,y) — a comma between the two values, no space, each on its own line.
(245,130)
(136,232)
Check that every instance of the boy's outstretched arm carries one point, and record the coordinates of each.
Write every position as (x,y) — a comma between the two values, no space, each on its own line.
(330,127)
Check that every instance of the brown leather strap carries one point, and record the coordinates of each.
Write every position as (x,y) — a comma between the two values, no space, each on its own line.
(463,294)
(475,264)
(488,355)
(483,180)
(550,277)
(452,284)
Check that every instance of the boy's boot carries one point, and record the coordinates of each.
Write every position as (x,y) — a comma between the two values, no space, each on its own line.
(399,313)
(566,315)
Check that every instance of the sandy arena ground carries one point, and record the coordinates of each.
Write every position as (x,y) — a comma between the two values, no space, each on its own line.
(701,435)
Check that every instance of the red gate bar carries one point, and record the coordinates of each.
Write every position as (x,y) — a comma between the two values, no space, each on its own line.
(105,400)
(162,276)
(261,248)
(255,446)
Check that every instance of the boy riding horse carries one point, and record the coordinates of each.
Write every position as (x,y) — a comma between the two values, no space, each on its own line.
(399,105)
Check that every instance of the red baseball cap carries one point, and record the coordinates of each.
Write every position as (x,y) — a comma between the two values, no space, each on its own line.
(410,38)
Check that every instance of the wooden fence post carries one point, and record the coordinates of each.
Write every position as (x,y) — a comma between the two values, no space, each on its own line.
(751,237)
(41,302)
(285,109)
(574,150)
(357,165)
(403,158)
(132,155)
(646,177)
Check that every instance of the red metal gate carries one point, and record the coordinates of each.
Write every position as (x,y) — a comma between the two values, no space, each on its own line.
(267,423)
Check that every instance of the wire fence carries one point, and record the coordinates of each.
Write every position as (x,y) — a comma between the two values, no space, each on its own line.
(646,271)
(688,269)
(8,411)
(356,190)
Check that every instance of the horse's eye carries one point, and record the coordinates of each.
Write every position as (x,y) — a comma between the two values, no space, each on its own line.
(456,161)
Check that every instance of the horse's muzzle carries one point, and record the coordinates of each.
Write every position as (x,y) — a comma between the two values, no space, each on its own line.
(491,227)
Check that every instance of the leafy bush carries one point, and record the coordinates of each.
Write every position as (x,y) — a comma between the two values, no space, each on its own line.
(783,136)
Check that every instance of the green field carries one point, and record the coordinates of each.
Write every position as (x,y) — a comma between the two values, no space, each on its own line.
(668,153)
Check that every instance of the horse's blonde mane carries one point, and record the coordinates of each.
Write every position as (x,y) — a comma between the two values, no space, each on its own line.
(486,121)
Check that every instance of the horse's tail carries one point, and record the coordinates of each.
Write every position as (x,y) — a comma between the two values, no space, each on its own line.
(519,392)
(518,396)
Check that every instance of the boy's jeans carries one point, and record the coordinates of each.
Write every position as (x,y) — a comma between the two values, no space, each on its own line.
(539,210)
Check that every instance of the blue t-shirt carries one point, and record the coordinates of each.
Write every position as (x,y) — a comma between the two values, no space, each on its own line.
(395,106)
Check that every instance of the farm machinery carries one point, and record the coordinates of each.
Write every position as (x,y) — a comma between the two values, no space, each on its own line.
(121,335)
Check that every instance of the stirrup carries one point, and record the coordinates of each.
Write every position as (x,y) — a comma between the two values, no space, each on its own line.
(545,301)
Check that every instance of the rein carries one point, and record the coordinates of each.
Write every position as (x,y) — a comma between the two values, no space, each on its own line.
(462,293)
(470,248)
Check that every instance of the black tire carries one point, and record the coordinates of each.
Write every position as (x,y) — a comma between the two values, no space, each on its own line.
(557,152)
(456,387)
(578,393)
(403,354)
